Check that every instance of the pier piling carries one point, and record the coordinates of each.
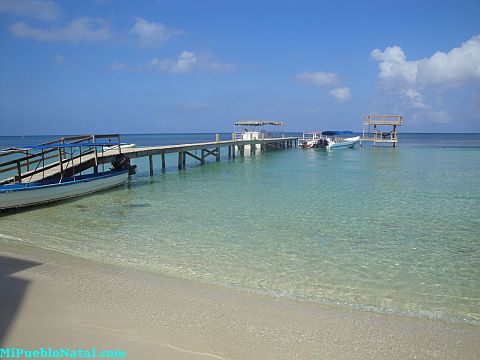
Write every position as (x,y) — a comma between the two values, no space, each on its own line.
(150,162)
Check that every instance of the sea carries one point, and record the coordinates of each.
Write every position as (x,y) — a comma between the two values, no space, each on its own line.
(388,230)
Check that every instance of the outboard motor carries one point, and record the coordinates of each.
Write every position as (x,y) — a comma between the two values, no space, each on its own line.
(121,162)
(322,143)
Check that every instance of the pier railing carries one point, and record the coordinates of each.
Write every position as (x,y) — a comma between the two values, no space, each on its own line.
(24,162)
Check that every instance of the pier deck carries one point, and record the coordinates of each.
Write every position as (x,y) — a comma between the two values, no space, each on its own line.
(93,158)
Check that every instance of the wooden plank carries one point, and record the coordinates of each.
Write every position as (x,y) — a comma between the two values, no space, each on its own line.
(180,160)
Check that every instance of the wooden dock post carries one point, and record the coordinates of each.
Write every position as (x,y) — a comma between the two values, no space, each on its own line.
(28,162)
(217,154)
(229,152)
(180,160)
(163,162)
(150,162)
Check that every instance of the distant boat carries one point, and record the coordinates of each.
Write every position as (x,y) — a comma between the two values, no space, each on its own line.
(327,140)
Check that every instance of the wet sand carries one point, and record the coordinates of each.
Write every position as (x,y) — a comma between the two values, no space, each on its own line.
(51,299)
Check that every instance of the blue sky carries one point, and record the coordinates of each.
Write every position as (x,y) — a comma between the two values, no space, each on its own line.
(100,66)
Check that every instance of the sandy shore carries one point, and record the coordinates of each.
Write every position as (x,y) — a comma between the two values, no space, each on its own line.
(50,299)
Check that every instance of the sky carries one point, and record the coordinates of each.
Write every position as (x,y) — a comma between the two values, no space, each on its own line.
(120,66)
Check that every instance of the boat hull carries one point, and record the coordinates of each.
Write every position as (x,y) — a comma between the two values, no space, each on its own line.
(23,195)
(345,143)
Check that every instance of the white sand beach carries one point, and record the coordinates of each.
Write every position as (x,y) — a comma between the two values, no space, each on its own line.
(50,299)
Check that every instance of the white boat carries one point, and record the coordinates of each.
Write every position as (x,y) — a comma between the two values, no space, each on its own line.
(44,191)
(342,143)
(57,180)
(327,140)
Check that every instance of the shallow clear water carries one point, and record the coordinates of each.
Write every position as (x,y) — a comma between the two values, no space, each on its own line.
(384,229)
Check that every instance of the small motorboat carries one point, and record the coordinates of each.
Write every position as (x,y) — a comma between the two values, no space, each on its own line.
(64,183)
(44,191)
(338,143)
(327,140)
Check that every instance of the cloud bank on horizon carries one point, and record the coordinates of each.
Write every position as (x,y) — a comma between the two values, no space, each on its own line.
(141,51)
(442,72)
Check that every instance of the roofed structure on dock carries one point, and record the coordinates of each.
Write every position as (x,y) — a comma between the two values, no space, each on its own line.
(379,135)
(258,129)
(383,120)
(259,123)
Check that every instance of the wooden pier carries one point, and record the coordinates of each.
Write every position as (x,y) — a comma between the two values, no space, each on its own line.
(52,163)
(379,136)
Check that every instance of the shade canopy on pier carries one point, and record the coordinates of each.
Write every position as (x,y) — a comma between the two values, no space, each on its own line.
(259,123)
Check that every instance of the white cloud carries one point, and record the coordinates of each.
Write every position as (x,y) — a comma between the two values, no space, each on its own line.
(38,9)
(152,34)
(456,67)
(159,64)
(215,66)
(186,62)
(317,78)
(422,84)
(416,99)
(83,29)
(325,80)
(341,93)
(58,59)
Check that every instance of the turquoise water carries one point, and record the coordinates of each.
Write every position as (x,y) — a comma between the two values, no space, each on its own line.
(393,230)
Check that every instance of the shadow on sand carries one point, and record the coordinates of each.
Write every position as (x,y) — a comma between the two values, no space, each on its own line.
(12,290)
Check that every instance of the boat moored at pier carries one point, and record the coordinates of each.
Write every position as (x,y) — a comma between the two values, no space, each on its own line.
(45,191)
(45,185)
(327,140)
